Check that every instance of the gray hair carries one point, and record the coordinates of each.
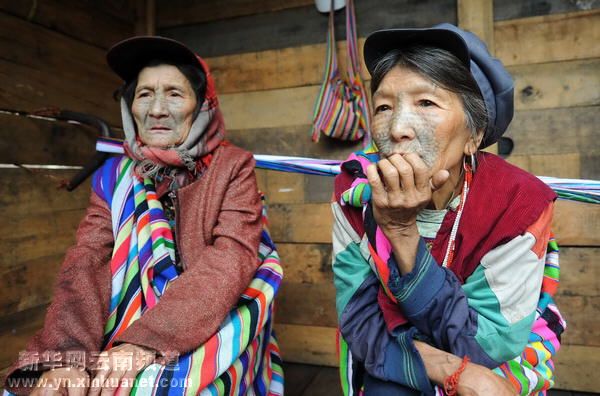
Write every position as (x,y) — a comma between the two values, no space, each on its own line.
(446,71)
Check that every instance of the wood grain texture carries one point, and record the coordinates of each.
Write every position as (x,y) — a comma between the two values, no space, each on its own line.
(548,38)
(292,140)
(477,16)
(307,344)
(303,65)
(556,84)
(186,12)
(555,131)
(576,368)
(39,223)
(305,25)
(31,141)
(63,72)
(16,331)
(516,9)
(81,20)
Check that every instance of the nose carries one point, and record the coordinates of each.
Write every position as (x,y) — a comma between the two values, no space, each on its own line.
(403,125)
(158,109)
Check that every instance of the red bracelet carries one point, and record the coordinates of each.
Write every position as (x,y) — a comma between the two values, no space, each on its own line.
(451,382)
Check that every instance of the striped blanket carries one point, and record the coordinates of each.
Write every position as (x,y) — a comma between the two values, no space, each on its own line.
(242,357)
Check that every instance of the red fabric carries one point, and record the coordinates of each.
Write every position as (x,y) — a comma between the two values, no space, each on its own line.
(218,233)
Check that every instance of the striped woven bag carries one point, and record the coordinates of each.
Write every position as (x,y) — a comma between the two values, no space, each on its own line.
(342,110)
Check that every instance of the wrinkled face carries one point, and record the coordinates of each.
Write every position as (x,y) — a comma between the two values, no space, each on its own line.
(163,106)
(412,114)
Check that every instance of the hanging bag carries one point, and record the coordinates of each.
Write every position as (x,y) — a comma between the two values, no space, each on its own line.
(342,110)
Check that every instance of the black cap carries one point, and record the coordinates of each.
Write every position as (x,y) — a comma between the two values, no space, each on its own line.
(494,82)
(129,56)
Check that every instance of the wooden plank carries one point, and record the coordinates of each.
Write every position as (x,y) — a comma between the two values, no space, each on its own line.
(548,38)
(558,165)
(556,84)
(31,141)
(85,21)
(575,223)
(515,9)
(64,72)
(307,344)
(39,223)
(576,368)
(306,263)
(583,323)
(16,331)
(564,130)
(307,304)
(277,68)
(477,16)
(186,12)
(300,223)
(305,25)
(291,140)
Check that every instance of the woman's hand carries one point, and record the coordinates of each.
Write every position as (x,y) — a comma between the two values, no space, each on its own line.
(118,368)
(69,381)
(404,188)
(478,380)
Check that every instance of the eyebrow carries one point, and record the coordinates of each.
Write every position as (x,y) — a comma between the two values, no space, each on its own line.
(167,88)
(416,89)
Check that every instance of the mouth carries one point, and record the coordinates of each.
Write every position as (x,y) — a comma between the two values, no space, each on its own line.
(160,128)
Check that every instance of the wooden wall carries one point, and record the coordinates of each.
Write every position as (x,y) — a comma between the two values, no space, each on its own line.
(268,60)
(52,55)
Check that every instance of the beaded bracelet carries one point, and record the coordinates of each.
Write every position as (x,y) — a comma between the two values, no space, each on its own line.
(451,382)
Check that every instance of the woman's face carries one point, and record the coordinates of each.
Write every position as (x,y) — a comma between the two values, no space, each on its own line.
(412,114)
(163,106)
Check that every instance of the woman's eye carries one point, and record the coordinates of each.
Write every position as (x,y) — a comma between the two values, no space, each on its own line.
(175,94)
(143,94)
(426,103)
(381,108)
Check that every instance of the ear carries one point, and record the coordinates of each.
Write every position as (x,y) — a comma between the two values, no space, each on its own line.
(472,144)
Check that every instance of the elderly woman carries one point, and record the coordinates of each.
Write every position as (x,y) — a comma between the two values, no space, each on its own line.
(440,250)
(155,288)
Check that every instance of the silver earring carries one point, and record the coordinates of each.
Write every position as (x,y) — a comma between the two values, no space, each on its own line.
(473,163)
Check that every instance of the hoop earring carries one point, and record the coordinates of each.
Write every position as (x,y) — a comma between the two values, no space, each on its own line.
(472,162)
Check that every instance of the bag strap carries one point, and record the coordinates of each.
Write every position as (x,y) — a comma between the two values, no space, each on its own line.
(332,63)
(352,42)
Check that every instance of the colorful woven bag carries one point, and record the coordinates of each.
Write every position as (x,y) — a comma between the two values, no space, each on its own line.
(342,110)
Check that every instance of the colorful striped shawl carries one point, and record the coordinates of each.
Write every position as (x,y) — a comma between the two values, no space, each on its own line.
(242,357)
(531,373)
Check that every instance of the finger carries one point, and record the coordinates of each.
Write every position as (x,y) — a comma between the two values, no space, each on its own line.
(421,171)
(377,187)
(127,381)
(98,382)
(112,383)
(439,179)
(405,171)
(389,176)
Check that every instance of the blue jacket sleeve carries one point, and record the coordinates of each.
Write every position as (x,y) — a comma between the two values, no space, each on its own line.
(385,356)
(468,319)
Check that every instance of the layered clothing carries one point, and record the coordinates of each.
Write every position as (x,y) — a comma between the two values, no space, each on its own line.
(207,310)
(493,302)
